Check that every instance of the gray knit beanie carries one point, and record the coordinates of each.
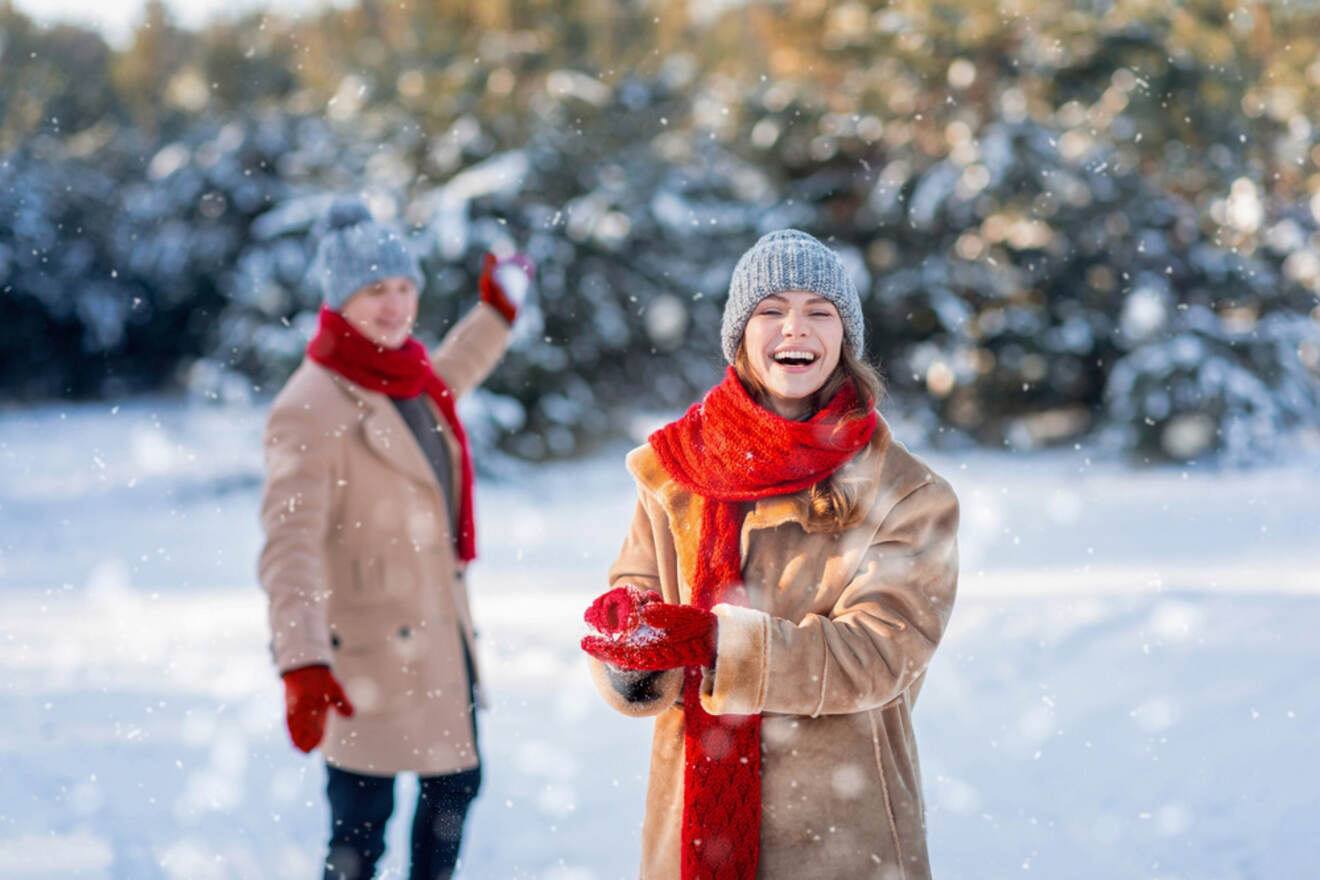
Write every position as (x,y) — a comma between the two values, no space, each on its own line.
(354,250)
(789,260)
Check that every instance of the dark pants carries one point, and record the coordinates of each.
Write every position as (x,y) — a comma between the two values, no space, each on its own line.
(360,805)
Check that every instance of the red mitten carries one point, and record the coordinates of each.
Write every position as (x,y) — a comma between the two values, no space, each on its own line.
(617,610)
(666,637)
(309,693)
(504,283)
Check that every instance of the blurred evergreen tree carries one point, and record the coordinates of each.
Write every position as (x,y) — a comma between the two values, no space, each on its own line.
(1048,208)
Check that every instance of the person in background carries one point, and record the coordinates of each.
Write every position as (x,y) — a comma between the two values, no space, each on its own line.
(369,529)
(789,572)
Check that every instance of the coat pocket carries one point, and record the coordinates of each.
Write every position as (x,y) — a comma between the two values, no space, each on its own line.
(367,579)
(823,791)
(378,656)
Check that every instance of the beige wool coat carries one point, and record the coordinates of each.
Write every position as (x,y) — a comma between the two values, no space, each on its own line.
(359,561)
(832,652)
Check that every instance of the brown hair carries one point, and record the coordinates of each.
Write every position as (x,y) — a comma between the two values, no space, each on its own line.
(833,504)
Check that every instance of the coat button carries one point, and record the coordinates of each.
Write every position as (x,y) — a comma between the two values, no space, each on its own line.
(334,641)
(405,632)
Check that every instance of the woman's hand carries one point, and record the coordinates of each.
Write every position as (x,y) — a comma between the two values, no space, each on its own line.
(309,694)
(616,611)
(643,633)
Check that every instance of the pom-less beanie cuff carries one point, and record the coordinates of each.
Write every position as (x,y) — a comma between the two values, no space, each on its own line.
(355,251)
(790,259)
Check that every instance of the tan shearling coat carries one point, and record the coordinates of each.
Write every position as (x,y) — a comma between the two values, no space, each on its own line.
(359,560)
(832,652)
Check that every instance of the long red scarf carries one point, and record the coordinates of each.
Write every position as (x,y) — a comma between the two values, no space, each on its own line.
(727,450)
(402,372)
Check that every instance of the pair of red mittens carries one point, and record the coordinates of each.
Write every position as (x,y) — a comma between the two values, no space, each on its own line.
(639,630)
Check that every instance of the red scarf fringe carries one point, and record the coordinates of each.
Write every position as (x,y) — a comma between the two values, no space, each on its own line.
(403,372)
(728,450)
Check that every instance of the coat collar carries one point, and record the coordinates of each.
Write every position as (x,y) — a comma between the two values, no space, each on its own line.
(863,469)
(386,433)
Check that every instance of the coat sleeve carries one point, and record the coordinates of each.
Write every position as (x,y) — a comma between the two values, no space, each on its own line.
(471,349)
(637,565)
(294,515)
(876,640)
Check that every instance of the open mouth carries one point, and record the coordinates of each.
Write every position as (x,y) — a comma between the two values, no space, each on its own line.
(794,357)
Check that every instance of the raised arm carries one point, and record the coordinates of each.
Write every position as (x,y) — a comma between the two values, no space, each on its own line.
(471,349)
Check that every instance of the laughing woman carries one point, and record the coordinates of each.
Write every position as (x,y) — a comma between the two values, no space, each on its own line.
(789,573)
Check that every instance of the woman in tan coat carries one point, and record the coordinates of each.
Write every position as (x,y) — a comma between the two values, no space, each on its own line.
(367,511)
(789,572)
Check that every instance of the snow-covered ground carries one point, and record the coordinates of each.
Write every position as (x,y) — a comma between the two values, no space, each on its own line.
(1128,688)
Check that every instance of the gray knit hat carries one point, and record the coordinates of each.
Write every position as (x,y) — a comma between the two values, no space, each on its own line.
(354,250)
(789,260)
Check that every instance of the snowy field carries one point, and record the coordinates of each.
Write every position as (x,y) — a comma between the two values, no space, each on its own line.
(1128,688)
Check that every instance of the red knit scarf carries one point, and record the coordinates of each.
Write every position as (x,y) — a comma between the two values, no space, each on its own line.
(727,450)
(402,372)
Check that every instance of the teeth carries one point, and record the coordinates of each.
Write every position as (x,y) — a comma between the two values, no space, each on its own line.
(794,355)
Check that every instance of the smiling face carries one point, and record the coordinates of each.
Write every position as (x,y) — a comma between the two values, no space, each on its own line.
(792,342)
(383,312)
